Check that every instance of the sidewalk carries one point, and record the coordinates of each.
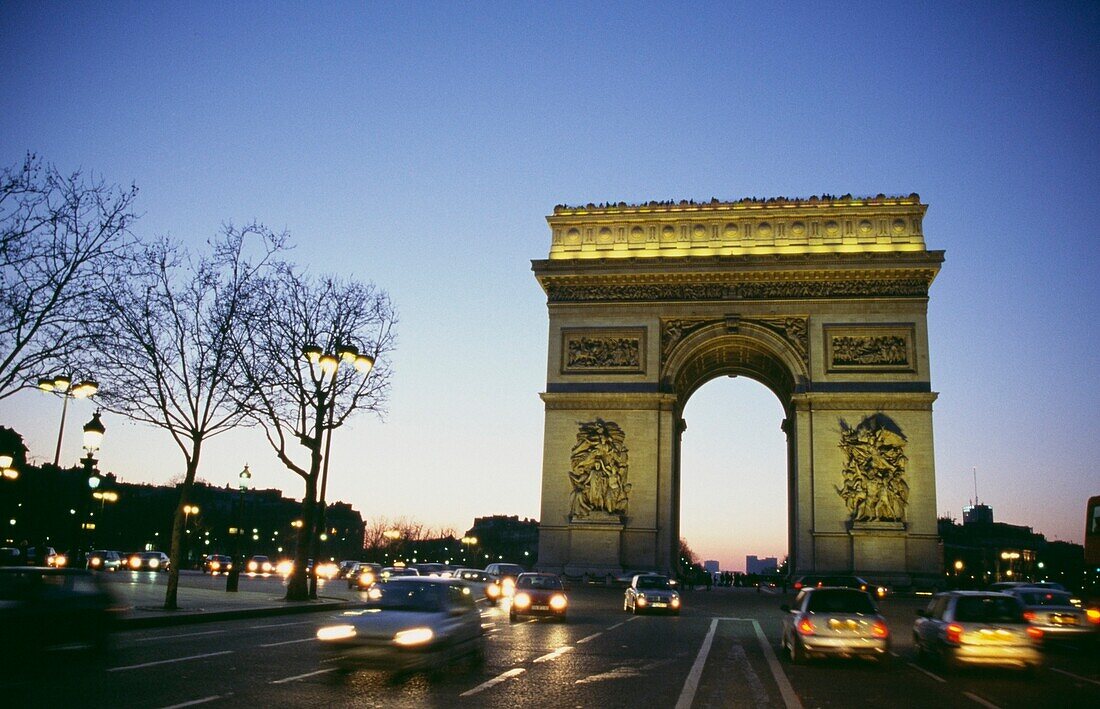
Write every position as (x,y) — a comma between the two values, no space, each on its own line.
(142,605)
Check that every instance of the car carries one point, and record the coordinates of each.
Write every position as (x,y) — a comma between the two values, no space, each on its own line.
(104,560)
(538,594)
(1053,612)
(838,581)
(504,576)
(977,628)
(149,561)
(627,577)
(327,570)
(651,592)
(410,623)
(259,564)
(364,575)
(215,564)
(346,567)
(482,583)
(389,573)
(431,569)
(834,621)
(49,611)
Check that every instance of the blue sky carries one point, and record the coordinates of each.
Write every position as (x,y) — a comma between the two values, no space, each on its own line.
(420,146)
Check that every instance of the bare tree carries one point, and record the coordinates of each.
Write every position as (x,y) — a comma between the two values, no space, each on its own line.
(296,397)
(169,358)
(62,238)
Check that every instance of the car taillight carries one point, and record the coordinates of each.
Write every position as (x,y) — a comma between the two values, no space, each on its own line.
(954,633)
(797,585)
(1093,615)
(879,630)
(1029,616)
(1035,633)
(805,627)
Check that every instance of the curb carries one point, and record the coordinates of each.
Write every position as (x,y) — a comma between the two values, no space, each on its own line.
(185,617)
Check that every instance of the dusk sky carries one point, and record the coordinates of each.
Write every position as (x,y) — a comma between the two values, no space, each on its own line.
(421,146)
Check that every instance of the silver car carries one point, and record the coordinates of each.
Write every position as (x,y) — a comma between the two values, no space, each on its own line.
(410,623)
(977,628)
(651,592)
(837,622)
(1053,612)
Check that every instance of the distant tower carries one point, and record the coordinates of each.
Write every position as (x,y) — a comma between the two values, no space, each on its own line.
(978,514)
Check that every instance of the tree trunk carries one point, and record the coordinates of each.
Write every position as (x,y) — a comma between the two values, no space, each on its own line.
(174,556)
(297,588)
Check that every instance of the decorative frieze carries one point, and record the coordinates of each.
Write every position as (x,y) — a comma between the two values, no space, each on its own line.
(753,290)
(598,470)
(593,350)
(870,348)
(791,329)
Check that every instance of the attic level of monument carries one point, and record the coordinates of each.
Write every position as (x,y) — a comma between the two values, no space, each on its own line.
(817,225)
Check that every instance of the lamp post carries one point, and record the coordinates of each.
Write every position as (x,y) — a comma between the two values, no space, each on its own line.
(188,510)
(104,497)
(93,436)
(63,385)
(324,366)
(232,579)
(467,542)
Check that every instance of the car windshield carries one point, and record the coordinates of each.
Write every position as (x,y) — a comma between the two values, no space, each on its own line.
(509,569)
(653,582)
(988,609)
(410,596)
(544,582)
(828,601)
(1045,598)
(151,555)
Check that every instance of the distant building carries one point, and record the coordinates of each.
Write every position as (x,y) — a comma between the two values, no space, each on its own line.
(710,566)
(767,565)
(503,538)
(978,514)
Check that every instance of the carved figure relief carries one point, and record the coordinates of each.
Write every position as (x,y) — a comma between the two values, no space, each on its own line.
(869,348)
(791,329)
(888,349)
(875,488)
(604,353)
(577,293)
(598,469)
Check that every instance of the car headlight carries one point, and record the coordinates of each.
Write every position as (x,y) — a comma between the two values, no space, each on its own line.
(413,636)
(522,600)
(252,566)
(135,562)
(675,602)
(95,562)
(61,560)
(336,632)
(366,579)
(215,565)
(492,591)
(640,600)
(267,567)
(558,602)
(154,563)
(284,568)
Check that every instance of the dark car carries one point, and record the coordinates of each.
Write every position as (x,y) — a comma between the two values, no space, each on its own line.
(651,592)
(149,561)
(410,623)
(215,564)
(504,577)
(104,560)
(46,612)
(834,622)
(838,581)
(538,594)
(364,575)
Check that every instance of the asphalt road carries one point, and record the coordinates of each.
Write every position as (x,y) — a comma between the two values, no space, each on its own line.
(721,652)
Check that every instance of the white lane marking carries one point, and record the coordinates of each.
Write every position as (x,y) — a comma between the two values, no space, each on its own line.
(618,625)
(790,699)
(514,672)
(918,668)
(279,625)
(691,685)
(553,655)
(193,702)
(593,636)
(975,698)
(287,642)
(1078,677)
(756,687)
(284,680)
(165,662)
(173,637)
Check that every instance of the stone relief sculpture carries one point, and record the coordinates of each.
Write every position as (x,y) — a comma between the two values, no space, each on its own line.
(875,488)
(604,353)
(882,350)
(598,469)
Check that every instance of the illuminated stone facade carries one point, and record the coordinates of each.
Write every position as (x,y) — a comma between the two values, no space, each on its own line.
(823,300)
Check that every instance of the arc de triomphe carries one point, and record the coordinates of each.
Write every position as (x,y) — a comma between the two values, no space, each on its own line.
(823,300)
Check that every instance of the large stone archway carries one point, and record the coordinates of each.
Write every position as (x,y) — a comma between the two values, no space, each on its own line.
(823,300)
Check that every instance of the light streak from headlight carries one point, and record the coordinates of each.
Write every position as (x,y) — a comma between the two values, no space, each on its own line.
(336,632)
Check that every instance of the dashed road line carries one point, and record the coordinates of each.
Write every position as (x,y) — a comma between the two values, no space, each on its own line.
(193,702)
(593,636)
(165,662)
(514,672)
(279,625)
(287,642)
(975,698)
(918,668)
(284,680)
(552,655)
(1077,677)
(173,637)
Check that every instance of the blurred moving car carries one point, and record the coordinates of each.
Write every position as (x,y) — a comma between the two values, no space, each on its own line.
(259,564)
(1054,613)
(651,592)
(46,611)
(478,580)
(364,575)
(964,628)
(504,576)
(149,561)
(215,564)
(410,623)
(104,560)
(432,569)
(839,581)
(393,572)
(346,567)
(834,622)
(538,594)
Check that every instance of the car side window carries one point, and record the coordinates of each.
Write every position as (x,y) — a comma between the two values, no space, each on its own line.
(937,608)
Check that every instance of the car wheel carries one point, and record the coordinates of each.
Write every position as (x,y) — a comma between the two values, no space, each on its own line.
(798,655)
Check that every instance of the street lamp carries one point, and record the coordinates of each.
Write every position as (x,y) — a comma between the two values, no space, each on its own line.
(467,542)
(63,385)
(328,364)
(232,579)
(104,497)
(6,469)
(93,436)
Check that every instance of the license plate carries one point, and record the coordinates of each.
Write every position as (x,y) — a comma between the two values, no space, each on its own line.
(1064,619)
(658,604)
(540,608)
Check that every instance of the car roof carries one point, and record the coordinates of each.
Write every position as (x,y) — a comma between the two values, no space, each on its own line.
(437,580)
